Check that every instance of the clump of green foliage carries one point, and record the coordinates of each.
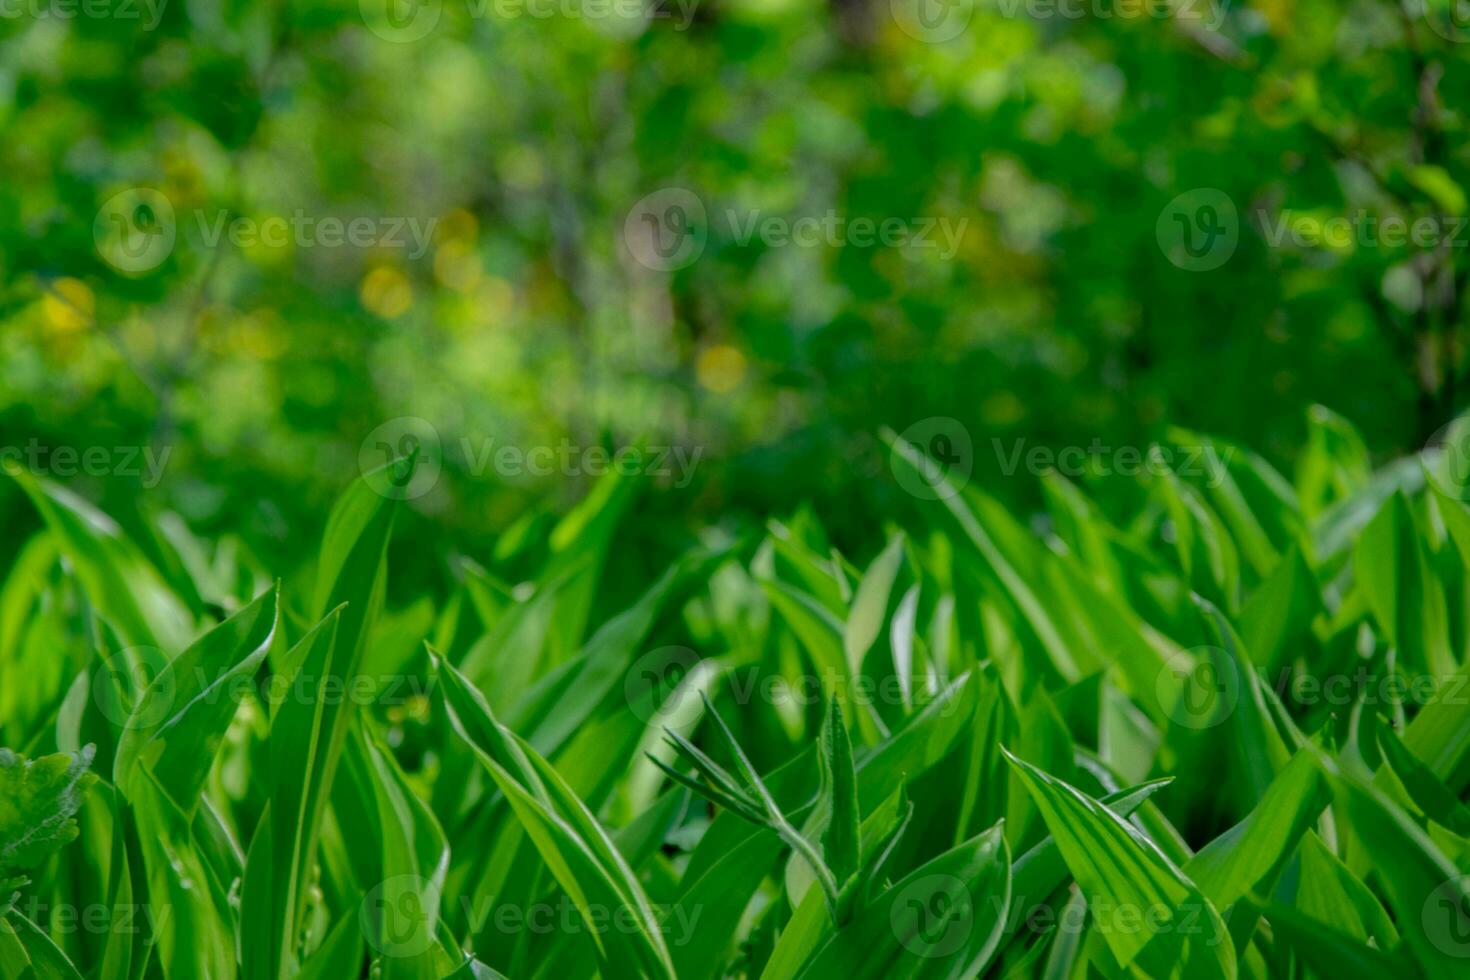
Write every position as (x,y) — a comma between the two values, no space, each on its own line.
(1220,730)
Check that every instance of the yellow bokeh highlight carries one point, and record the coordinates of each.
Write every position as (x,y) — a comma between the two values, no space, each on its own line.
(720,368)
(456,227)
(496,298)
(69,306)
(457,266)
(386,292)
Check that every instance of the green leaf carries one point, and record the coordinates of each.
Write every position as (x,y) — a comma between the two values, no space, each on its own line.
(1252,854)
(1329,951)
(303,756)
(1125,878)
(1033,611)
(178,722)
(840,839)
(195,940)
(1329,892)
(39,800)
(400,913)
(1412,871)
(352,566)
(870,606)
(27,953)
(1278,614)
(339,955)
(1431,796)
(943,919)
(1408,602)
(1255,849)
(1338,527)
(573,844)
(118,579)
(810,923)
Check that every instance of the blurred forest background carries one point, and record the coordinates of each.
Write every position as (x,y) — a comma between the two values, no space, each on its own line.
(518,138)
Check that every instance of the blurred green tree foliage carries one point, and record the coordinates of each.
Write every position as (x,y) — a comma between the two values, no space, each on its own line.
(180,269)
